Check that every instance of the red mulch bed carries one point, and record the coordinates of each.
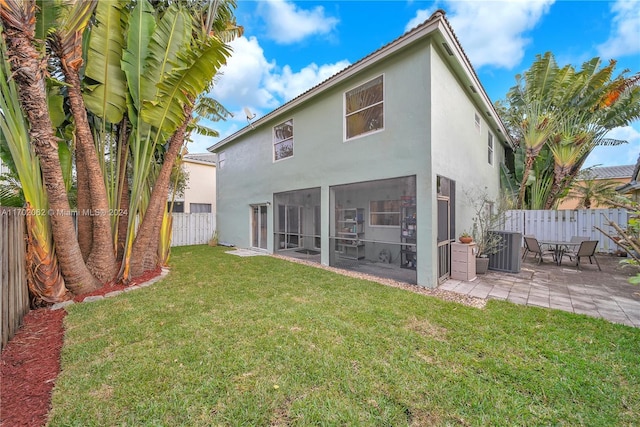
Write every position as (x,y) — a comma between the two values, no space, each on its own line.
(30,363)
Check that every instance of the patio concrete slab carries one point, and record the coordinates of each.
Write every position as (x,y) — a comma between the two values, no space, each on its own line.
(603,294)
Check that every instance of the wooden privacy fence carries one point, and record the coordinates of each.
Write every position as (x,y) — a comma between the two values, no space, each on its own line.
(192,228)
(563,224)
(14,293)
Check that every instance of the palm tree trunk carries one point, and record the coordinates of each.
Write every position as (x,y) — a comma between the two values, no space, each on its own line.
(144,254)
(101,260)
(528,165)
(43,275)
(27,68)
(559,174)
(85,224)
(123,188)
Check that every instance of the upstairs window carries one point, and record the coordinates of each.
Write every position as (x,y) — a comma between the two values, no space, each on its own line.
(476,119)
(364,108)
(283,140)
(490,148)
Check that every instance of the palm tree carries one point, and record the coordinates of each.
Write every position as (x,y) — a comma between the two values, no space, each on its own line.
(565,113)
(176,94)
(27,67)
(66,43)
(43,275)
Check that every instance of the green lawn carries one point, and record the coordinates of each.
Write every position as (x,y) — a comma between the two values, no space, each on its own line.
(258,341)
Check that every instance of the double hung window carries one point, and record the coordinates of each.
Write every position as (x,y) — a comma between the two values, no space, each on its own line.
(364,108)
(283,140)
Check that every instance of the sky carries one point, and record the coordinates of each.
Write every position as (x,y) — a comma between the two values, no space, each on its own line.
(290,46)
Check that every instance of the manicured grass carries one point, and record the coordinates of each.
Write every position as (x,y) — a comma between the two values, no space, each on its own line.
(258,341)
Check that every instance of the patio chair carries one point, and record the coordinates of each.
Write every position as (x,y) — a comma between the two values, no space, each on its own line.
(578,239)
(531,245)
(575,239)
(587,249)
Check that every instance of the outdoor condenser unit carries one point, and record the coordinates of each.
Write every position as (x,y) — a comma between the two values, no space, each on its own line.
(508,257)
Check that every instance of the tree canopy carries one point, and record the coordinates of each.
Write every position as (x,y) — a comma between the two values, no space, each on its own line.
(557,116)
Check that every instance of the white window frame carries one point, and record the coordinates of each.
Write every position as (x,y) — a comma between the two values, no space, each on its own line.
(490,148)
(372,213)
(476,120)
(345,115)
(222,159)
(193,205)
(280,141)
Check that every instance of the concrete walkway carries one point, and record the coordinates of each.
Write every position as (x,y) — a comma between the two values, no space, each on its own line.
(606,294)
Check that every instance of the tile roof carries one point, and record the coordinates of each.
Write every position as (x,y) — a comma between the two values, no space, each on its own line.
(610,172)
(422,30)
(201,157)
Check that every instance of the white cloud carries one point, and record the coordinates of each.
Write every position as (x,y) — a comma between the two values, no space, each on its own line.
(242,77)
(421,16)
(492,33)
(625,154)
(288,23)
(288,84)
(250,80)
(625,34)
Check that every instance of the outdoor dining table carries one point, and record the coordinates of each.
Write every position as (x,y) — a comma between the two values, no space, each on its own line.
(558,248)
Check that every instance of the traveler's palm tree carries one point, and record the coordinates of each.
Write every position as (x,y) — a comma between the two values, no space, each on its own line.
(28,70)
(94,232)
(168,96)
(579,108)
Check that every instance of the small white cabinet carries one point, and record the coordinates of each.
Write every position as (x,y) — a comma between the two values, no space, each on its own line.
(463,261)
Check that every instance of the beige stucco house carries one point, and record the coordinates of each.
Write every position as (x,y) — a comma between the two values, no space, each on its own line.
(200,192)
(618,175)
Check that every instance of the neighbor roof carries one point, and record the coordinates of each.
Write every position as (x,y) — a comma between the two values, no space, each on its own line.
(201,157)
(436,24)
(612,172)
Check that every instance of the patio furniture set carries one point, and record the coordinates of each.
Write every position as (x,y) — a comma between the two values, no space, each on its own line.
(575,249)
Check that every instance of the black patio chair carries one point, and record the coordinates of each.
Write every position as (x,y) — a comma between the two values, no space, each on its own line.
(531,245)
(587,249)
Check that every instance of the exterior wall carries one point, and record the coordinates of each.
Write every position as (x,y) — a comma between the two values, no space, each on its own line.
(201,187)
(568,203)
(323,159)
(460,150)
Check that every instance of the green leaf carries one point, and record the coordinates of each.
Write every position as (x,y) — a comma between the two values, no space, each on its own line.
(185,84)
(46,17)
(170,37)
(55,103)
(141,26)
(66,163)
(106,97)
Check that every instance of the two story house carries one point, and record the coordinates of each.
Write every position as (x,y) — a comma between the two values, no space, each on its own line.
(369,169)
